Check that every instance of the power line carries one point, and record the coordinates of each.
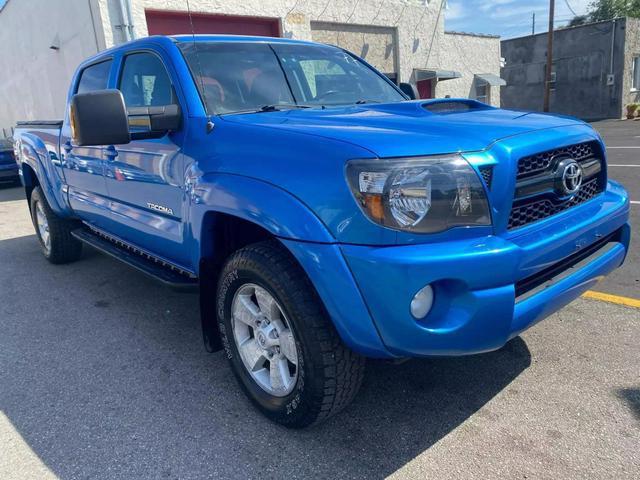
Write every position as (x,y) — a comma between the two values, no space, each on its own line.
(435,29)
(570,8)
(352,11)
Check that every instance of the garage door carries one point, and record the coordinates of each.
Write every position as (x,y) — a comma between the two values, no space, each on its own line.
(377,45)
(175,23)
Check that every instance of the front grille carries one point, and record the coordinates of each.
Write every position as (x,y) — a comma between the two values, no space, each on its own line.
(542,161)
(536,196)
(540,209)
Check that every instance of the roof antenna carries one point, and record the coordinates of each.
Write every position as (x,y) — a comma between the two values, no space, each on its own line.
(210,124)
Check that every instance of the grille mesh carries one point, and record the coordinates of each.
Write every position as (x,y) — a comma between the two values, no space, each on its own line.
(542,161)
(539,209)
(487,175)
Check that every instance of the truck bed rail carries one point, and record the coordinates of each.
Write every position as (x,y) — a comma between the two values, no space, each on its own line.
(40,123)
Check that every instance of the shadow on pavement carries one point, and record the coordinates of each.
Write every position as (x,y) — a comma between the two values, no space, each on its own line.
(631,396)
(103,374)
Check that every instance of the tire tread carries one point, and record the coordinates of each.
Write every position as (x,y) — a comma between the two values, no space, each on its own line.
(340,369)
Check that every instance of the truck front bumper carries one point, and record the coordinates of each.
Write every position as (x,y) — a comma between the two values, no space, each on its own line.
(490,289)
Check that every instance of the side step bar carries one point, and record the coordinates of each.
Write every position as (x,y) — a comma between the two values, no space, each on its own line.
(166,275)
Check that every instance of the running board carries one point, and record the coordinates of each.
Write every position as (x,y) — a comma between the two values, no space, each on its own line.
(164,273)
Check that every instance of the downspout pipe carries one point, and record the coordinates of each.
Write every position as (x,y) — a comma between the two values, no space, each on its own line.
(127,20)
(613,43)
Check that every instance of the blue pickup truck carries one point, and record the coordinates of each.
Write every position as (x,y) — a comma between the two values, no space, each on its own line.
(323,214)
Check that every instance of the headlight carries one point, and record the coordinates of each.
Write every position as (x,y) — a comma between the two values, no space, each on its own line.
(423,195)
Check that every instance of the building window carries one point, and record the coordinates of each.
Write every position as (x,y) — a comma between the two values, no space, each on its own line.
(635,81)
(482,92)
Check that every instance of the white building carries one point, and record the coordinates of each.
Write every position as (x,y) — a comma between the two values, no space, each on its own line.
(44,40)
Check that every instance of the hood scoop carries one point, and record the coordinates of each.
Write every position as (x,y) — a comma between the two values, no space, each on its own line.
(454,105)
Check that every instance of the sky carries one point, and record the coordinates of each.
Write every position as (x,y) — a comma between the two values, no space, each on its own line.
(508,18)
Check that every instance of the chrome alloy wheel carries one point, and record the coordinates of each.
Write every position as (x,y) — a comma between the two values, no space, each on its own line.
(265,340)
(43,227)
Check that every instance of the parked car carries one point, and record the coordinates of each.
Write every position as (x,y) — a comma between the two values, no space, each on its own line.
(323,215)
(8,165)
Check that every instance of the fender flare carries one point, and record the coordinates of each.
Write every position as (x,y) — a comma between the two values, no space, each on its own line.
(255,201)
(277,212)
(33,153)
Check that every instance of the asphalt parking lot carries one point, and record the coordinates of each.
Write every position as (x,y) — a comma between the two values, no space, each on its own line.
(623,154)
(103,375)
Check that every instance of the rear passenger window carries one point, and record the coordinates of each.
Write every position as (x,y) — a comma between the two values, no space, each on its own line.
(95,77)
(145,82)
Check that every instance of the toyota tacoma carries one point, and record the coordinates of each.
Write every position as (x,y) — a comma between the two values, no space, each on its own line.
(323,215)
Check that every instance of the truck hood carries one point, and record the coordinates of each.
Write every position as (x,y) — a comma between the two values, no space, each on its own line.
(407,128)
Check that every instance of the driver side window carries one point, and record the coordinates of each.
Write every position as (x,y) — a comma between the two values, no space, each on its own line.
(144,82)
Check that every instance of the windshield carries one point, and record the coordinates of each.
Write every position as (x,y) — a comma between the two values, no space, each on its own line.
(242,77)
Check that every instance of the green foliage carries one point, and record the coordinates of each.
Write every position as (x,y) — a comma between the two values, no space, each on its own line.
(608,9)
(579,20)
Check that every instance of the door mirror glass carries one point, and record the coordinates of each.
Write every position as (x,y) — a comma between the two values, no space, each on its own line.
(99,118)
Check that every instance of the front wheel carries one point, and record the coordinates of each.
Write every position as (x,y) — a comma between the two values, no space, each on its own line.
(54,233)
(282,346)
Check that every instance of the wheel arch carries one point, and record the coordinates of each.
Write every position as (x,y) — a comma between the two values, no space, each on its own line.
(34,159)
(29,180)
(229,212)
(322,264)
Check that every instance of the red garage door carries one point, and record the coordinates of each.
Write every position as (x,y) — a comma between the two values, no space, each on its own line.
(174,23)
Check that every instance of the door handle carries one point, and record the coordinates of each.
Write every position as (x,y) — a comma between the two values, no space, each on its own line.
(111,153)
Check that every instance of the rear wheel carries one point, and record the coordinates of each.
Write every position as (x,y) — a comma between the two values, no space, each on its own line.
(282,346)
(53,232)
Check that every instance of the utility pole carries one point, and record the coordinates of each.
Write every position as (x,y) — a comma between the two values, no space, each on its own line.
(533,24)
(547,80)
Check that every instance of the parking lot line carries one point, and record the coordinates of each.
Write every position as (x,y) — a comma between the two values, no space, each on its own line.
(620,148)
(606,297)
(618,165)
(633,202)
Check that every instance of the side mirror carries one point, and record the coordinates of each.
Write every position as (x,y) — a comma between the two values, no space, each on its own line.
(409,90)
(99,118)
(153,122)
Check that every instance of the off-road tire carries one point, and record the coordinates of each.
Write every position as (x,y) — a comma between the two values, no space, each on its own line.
(329,374)
(64,248)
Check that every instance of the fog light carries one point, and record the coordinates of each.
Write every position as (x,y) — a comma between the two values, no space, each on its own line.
(422,302)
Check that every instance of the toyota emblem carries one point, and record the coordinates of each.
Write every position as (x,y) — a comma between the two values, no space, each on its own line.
(571,177)
(568,175)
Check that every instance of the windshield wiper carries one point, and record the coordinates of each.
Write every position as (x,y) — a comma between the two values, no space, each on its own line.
(362,102)
(277,108)
(269,108)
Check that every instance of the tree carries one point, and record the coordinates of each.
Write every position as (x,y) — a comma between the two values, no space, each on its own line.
(578,20)
(608,9)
